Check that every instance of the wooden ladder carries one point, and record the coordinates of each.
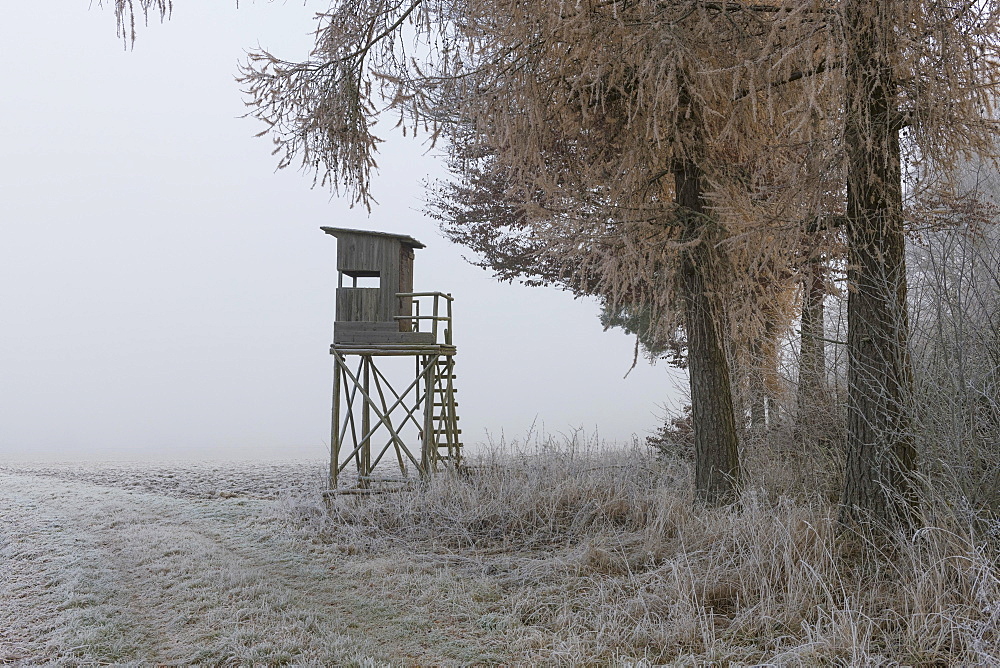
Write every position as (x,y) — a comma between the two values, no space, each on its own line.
(445,434)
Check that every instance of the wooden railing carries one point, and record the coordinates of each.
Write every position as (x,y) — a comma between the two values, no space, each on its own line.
(436,315)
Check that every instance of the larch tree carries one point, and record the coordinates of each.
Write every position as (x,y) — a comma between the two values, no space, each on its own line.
(619,130)
(911,81)
(619,199)
(822,249)
(929,68)
(602,144)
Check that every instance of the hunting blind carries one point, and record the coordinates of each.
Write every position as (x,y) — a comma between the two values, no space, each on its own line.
(389,429)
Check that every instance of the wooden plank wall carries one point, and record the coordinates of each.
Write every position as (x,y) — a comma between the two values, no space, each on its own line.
(358,304)
(361,255)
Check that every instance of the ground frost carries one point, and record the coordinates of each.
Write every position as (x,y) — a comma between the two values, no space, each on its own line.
(121,564)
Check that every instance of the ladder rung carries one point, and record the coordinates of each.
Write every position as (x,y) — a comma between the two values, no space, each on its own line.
(443,417)
(445,403)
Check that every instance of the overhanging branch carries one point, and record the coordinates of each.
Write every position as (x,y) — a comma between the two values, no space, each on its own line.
(791,78)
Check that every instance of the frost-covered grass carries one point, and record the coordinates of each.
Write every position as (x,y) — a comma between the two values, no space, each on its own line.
(96,569)
(591,557)
(190,480)
(557,554)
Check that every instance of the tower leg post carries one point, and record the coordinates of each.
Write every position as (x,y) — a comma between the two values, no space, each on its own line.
(335,428)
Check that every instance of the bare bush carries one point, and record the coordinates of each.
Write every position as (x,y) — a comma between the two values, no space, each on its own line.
(956,338)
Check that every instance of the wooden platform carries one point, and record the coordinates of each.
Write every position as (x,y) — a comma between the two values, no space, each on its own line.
(382,350)
(361,334)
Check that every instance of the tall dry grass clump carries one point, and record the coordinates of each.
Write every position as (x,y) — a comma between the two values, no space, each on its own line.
(580,555)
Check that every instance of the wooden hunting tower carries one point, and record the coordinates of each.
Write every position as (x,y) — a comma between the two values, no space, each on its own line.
(380,319)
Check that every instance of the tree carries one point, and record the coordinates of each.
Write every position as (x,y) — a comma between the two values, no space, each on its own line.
(590,173)
(931,68)
(956,328)
(125,14)
(925,67)
(595,239)
(820,251)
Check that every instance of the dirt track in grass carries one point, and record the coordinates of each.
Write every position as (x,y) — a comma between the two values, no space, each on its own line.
(182,564)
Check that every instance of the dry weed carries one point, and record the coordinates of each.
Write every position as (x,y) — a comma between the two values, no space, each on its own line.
(581,556)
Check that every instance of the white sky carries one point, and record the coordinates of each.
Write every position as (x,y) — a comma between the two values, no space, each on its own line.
(165,294)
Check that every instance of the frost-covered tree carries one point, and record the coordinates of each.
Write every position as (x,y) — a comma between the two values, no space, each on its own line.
(928,68)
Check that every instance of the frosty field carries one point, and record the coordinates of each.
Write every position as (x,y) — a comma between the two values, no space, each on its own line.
(561,555)
(182,563)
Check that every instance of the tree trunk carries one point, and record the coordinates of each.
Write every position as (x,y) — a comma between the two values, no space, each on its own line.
(880,452)
(816,421)
(715,441)
(753,385)
(763,379)
(770,377)
(812,357)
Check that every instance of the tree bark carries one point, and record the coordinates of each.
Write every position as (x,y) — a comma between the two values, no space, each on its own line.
(812,356)
(755,389)
(715,441)
(816,421)
(880,452)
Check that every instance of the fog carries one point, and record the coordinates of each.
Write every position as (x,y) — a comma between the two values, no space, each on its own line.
(165,293)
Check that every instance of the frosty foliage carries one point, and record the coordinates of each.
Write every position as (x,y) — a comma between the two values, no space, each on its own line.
(127,11)
(570,117)
(574,114)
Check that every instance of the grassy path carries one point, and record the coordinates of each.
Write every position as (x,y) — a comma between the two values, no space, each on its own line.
(98,573)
